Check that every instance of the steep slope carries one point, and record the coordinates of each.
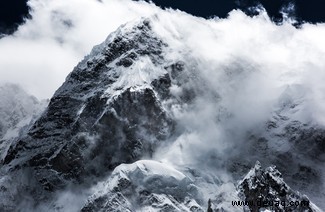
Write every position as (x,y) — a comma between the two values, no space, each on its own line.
(145,93)
(267,187)
(106,113)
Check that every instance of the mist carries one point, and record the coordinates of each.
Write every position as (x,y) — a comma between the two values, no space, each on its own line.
(241,70)
(58,34)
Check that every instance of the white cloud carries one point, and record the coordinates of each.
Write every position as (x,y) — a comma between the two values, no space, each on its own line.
(247,61)
(59,34)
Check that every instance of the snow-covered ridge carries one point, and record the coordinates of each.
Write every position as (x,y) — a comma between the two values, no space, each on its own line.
(145,185)
(267,186)
(155,90)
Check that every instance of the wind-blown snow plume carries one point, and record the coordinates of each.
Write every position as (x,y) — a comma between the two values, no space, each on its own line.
(246,89)
(41,53)
(67,30)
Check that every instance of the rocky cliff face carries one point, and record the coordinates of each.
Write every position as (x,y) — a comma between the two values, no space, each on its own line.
(263,190)
(101,116)
(137,96)
(266,190)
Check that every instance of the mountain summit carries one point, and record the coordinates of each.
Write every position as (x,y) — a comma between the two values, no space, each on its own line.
(105,114)
(150,123)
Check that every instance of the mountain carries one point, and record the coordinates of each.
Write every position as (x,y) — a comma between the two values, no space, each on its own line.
(147,122)
(145,185)
(154,186)
(268,188)
(99,117)
(17,111)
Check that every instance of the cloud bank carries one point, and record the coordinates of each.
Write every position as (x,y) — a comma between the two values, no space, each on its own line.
(60,33)
(246,65)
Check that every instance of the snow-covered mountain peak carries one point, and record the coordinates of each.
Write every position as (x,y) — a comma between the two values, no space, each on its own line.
(149,168)
(267,186)
(145,185)
(154,89)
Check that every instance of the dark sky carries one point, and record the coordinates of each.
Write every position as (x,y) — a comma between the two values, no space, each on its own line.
(13,11)
(306,10)
(11,14)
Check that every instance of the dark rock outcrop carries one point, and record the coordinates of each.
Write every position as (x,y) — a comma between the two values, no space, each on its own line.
(87,131)
(264,189)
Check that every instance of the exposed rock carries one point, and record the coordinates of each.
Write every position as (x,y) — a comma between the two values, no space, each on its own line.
(134,93)
(107,112)
(264,189)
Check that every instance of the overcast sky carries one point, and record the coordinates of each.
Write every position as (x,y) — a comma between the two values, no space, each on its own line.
(58,34)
